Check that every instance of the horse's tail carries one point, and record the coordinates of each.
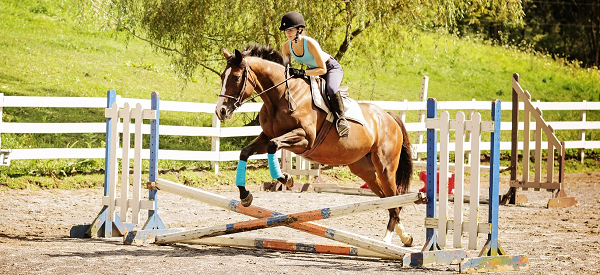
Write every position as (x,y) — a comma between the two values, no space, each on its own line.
(405,166)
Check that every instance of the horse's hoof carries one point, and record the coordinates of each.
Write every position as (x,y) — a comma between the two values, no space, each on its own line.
(247,201)
(409,242)
(288,180)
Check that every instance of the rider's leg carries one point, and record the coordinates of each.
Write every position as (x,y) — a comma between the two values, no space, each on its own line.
(337,106)
(333,80)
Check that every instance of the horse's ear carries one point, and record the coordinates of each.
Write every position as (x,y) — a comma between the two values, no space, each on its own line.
(238,53)
(226,53)
(237,57)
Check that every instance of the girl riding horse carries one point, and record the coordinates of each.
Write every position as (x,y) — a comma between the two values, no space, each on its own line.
(307,51)
(379,151)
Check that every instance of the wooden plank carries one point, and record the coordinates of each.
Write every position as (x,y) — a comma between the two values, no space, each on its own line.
(57,153)
(443,179)
(459,180)
(536,114)
(538,154)
(567,106)
(59,102)
(534,184)
(112,113)
(475,181)
(137,168)
(52,128)
(345,190)
(240,131)
(193,131)
(562,202)
(125,113)
(494,264)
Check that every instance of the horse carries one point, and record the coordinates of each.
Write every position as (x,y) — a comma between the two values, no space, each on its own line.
(379,152)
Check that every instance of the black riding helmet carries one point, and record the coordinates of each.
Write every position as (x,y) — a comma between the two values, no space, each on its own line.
(291,19)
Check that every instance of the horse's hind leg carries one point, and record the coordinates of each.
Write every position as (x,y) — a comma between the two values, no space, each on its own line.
(406,238)
(365,169)
(396,225)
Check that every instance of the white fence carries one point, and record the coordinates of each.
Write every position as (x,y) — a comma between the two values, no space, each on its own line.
(216,131)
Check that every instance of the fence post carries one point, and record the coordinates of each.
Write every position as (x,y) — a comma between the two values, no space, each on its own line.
(511,195)
(216,143)
(582,116)
(423,98)
(4,160)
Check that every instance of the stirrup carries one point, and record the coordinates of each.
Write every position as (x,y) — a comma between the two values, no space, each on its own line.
(342,127)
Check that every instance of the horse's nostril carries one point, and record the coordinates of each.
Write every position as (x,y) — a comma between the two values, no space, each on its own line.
(223,111)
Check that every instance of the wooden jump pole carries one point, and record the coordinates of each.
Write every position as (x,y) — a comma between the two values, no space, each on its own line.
(277,244)
(283,220)
(258,212)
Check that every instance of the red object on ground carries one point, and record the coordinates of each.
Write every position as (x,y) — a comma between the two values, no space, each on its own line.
(365,186)
(423,177)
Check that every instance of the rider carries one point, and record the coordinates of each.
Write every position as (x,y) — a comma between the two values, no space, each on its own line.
(307,51)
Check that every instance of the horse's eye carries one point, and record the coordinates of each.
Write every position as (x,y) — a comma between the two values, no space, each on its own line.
(237,78)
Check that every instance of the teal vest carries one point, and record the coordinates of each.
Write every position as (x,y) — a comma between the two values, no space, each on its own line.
(307,58)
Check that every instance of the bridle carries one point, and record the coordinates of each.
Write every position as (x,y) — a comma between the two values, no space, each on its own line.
(239,101)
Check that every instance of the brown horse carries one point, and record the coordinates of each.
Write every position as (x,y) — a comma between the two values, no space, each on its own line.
(379,152)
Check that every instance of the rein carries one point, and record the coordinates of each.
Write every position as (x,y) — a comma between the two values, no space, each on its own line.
(239,102)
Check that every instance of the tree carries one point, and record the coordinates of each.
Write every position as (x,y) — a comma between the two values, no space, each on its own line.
(567,27)
(192,32)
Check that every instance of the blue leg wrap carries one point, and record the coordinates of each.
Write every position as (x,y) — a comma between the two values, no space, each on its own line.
(240,175)
(274,166)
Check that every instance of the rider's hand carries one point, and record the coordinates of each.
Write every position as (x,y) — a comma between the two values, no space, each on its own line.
(296,73)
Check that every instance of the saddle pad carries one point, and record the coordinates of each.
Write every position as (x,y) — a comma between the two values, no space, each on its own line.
(351,108)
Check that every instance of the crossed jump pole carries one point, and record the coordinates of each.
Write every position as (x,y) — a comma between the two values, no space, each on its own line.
(492,256)
(359,245)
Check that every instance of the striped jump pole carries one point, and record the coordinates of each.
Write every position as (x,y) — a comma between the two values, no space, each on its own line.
(284,220)
(258,212)
(291,246)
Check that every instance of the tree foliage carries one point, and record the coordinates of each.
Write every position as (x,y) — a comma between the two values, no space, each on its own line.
(569,28)
(193,32)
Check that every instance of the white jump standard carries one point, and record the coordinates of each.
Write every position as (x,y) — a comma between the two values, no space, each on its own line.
(492,257)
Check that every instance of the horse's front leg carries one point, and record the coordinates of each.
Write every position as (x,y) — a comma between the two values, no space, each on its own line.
(258,146)
(291,140)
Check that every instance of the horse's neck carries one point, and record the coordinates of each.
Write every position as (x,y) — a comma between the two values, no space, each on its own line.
(270,74)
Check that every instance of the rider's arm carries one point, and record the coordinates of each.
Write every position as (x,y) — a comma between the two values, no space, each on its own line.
(315,50)
(285,51)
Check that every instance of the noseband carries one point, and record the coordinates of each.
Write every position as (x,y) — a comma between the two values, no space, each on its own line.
(238,100)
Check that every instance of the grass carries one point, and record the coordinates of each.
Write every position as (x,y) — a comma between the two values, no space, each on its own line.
(46,51)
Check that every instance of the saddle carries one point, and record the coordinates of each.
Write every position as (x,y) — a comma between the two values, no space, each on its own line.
(352,110)
(321,83)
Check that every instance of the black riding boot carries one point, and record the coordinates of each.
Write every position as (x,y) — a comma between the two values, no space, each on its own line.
(337,107)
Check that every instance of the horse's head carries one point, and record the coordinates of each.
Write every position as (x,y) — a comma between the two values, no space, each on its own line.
(238,83)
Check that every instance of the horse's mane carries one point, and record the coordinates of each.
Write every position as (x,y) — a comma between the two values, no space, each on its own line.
(265,52)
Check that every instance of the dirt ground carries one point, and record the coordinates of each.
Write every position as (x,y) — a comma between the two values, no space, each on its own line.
(34,235)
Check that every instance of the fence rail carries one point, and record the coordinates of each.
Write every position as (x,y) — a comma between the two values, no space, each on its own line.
(216,131)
